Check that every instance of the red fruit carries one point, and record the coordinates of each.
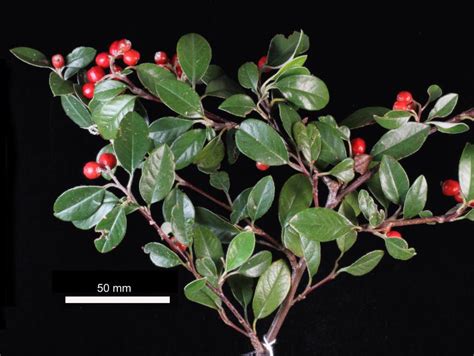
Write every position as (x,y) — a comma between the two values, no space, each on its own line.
(458,198)
(261,166)
(175,59)
(471,204)
(107,160)
(181,246)
(394,234)
(114,49)
(95,74)
(450,187)
(88,90)
(124,45)
(411,106)
(92,170)
(131,57)
(400,105)
(358,146)
(58,61)
(179,71)
(262,62)
(102,60)
(405,97)
(117,68)
(161,57)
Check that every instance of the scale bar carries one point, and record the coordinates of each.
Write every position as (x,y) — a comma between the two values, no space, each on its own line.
(116,300)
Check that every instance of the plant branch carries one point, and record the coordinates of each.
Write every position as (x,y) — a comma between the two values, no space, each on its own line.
(464,115)
(350,188)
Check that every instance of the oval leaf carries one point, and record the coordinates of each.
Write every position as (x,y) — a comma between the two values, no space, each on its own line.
(240,249)
(248,76)
(444,106)
(398,249)
(393,179)
(365,264)
(466,172)
(179,97)
(364,116)
(161,255)
(198,292)
(109,115)
(416,198)
(305,91)
(194,54)
(76,111)
(261,198)
(31,56)
(78,203)
(112,228)
(256,265)
(207,244)
(223,229)
(167,129)
(238,105)
(295,196)
(187,146)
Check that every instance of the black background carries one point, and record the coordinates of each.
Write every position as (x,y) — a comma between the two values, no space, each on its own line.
(365,55)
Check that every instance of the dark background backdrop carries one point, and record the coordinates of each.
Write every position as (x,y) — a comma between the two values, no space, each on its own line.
(422,306)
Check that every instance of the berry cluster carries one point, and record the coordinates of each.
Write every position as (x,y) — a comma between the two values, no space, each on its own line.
(451,188)
(93,170)
(404,101)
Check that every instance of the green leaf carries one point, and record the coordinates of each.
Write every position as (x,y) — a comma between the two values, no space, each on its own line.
(60,86)
(292,241)
(468,216)
(108,89)
(231,147)
(434,92)
(217,224)
(272,288)
(210,157)
(187,146)
(223,87)
(308,140)
(283,49)
(248,76)
(76,111)
(333,149)
(132,141)
(295,196)
(179,97)
(109,202)
(344,170)
(365,264)
(346,242)
(207,268)
(364,116)
(112,230)
(182,219)
(444,106)
(239,206)
(320,224)
(78,203)
(297,62)
(79,58)
(239,251)
(220,180)
(213,72)
(376,189)
(393,179)
(466,172)
(401,142)
(450,127)
(242,290)
(398,248)
(261,198)
(31,56)
(305,91)
(157,175)
(207,244)
(238,105)
(149,74)
(167,129)
(256,265)
(109,115)
(288,117)
(393,119)
(312,254)
(416,198)
(368,207)
(161,255)
(198,292)
(295,71)
(260,142)
(194,54)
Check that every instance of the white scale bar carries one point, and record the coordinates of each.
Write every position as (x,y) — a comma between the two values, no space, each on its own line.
(116,300)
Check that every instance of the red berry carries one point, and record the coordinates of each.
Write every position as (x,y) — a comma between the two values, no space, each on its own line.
(92,170)
(88,90)
(102,60)
(471,204)
(181,246)
(95,74)
(58,61)
(175,59)
(458,198)
(405,97)
(161,57)
(411,106)
(394,234)
(358,146)
(179,71)
(261,166)
(400,105)
(450,187)
(131,57)
(117,68)
(124,45)
(107,160)
(114,49)
(262,62)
